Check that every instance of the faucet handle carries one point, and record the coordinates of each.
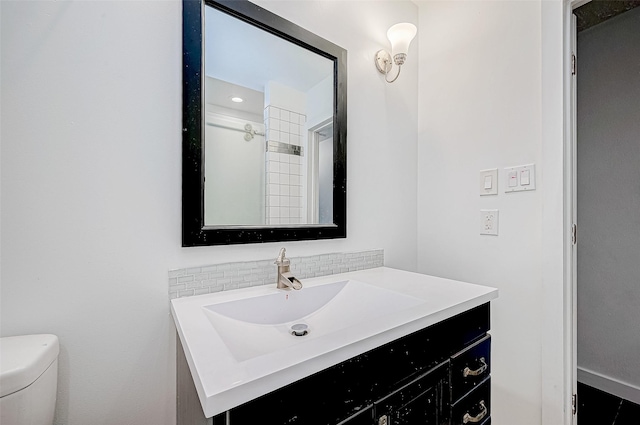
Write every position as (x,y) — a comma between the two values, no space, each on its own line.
(282,260)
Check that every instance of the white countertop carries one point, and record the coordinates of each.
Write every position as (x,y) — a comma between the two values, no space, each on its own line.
(223,382)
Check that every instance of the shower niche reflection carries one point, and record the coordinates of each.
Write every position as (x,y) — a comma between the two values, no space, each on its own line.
(268,133)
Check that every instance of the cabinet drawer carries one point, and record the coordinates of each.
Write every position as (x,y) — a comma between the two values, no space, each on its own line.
(475,407)
(470,367)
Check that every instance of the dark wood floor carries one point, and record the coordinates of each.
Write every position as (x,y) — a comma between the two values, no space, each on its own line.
(596,407)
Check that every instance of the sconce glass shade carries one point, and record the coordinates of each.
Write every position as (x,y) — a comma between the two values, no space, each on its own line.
(400,36)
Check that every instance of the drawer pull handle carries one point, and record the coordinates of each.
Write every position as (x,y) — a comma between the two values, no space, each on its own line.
(475,419)
(468,372)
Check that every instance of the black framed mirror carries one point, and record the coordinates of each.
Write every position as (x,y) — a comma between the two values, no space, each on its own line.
(264,148)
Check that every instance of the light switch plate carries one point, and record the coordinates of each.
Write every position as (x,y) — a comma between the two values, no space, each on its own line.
(489,182)
(520,178)
(489,222)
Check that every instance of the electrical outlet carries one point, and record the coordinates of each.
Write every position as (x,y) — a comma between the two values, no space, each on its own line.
(489,222)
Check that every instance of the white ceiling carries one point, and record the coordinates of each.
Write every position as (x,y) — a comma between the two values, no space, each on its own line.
(218,92)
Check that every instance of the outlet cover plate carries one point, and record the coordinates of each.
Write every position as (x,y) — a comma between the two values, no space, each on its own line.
(489,222)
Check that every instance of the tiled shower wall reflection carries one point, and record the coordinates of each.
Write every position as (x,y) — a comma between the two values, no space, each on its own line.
(285,135)
(222,277)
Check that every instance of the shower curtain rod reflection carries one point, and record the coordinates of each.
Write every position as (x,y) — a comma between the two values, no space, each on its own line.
(248,131)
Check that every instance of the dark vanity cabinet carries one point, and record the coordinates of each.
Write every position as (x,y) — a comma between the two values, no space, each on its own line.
(436,376)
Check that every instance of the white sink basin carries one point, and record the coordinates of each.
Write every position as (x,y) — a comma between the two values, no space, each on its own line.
(259,325)
(282,307)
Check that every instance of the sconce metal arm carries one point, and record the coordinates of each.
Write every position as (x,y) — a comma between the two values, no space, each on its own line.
(395,78)
(384,64)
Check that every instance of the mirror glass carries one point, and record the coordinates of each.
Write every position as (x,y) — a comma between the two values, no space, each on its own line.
(268,109)
(264,128)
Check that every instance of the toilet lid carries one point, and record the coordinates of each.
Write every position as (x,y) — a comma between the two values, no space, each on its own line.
(23,359)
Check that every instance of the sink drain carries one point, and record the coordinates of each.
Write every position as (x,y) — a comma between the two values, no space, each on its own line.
(299,329)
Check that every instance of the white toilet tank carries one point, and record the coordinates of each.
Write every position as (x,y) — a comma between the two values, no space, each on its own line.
(28,379)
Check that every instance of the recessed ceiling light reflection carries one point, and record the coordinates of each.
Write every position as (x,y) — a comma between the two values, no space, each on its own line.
(237,99)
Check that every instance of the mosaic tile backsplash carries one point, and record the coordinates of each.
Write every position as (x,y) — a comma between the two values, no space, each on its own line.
(222,277)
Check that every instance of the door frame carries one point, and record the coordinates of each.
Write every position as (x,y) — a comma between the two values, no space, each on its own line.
(570,56)
(558,340)
(313,147)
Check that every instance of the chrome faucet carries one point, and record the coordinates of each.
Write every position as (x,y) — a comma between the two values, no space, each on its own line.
(285,278)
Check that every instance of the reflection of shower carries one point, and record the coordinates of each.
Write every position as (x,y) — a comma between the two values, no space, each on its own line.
(248,131)
(234,173)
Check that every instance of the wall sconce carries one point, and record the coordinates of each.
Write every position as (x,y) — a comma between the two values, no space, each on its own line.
(400,36)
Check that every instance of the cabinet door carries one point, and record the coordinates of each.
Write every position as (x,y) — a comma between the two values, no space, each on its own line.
(421,410)
(365,417)
(419,402)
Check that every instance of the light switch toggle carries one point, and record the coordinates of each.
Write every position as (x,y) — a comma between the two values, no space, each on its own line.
(524,177)
(487,182)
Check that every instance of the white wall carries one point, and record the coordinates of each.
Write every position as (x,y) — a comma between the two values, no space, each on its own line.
(91,133)
(480,100)
(320,102)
